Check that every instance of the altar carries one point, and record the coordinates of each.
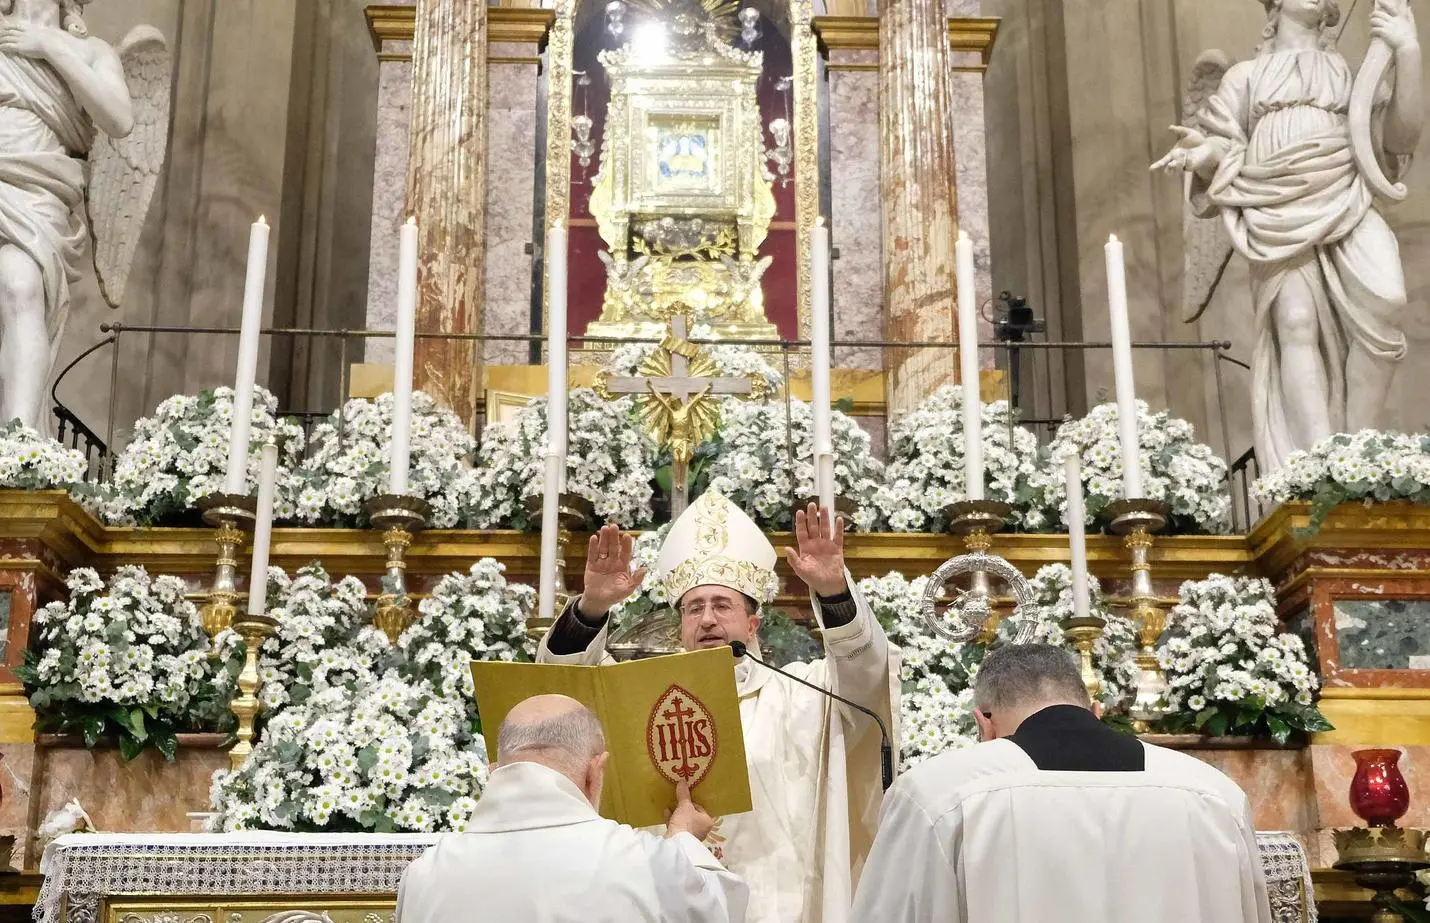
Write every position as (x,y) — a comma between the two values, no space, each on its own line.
(342,878)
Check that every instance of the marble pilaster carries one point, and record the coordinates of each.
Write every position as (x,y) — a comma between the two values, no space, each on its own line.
(511,191)
(389,191)
(917,184)
(446,192)
(855,227)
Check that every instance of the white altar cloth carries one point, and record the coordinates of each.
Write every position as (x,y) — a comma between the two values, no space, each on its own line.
(84,869)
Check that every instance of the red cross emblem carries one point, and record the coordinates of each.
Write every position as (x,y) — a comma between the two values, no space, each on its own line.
(680,737)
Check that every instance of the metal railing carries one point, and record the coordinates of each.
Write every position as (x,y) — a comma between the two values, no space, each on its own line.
(1241,472)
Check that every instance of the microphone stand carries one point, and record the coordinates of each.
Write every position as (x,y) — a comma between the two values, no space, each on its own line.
(886,749)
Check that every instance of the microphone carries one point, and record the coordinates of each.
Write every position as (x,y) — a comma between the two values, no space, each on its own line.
(886,749)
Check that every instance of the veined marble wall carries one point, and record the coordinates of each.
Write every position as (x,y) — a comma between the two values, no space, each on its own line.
(1081,93)
(855,226)
(511,177)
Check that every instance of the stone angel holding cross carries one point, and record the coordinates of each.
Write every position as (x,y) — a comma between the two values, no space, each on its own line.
(83,135)
(1291,151)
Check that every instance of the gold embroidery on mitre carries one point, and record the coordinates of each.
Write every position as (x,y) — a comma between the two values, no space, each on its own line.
(712,531)
(741,576)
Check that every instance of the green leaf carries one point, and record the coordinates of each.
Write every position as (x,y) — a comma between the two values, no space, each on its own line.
(664,479)
(136,724)
(129,747)
(1203,716)
(165,741)
(1310,720)
(1217,725)
(367,758)
(1280,730)
(93,726)
(844,405)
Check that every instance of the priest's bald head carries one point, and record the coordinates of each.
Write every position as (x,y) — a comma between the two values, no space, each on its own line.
(560,733)
(1019,680)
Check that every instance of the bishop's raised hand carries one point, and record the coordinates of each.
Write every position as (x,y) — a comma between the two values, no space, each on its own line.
(819,559)
(609,579)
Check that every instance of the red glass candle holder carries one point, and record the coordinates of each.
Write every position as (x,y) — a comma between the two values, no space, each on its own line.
(1379,795)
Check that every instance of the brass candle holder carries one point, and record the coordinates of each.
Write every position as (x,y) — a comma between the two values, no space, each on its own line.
(1138,521)
(1383,860)
(399,517)
(977,521)
(254,629)
(231,516)
(1082,634)
(572,512)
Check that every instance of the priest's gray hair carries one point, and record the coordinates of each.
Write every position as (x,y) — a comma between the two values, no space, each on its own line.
(572,738)
(1026,676)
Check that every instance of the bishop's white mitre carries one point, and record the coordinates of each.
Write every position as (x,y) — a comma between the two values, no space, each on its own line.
(714,542)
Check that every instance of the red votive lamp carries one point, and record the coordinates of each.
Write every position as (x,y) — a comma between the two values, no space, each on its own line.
(1379,795)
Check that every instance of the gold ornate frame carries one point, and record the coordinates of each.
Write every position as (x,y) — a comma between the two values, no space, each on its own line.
(803,51)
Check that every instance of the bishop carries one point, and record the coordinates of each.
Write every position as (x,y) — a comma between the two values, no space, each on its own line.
(814,766)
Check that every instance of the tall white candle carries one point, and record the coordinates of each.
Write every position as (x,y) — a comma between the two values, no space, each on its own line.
(968,367)
(402,369)
(263,530)
(236,478)
(821,400)
(555,475)
(1077,538)
(1122,370)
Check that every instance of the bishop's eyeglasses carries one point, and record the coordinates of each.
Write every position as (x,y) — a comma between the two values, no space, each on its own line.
(720,607)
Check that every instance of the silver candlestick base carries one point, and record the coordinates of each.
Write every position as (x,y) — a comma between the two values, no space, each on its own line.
(399,517)
(1138,521)
(232,516)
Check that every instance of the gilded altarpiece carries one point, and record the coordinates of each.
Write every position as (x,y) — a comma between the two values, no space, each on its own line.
(787,27)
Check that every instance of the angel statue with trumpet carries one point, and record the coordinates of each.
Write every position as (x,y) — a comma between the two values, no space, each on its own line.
(83,132)
(1294,153)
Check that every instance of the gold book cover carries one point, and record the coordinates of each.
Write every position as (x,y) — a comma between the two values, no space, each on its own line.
(666,719)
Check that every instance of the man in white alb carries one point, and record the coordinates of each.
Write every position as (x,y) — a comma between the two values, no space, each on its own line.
(1057,817)
(814,767)
(536,851)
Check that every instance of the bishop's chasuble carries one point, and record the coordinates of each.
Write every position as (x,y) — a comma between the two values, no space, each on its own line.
(815,782)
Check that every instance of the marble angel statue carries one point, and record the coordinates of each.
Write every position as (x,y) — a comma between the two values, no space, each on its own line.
(83,135)
(1292,151)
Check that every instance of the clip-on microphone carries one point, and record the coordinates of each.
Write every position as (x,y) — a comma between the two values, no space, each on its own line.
(886,750)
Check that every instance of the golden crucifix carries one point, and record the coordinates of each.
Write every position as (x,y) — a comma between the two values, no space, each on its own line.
(676,389)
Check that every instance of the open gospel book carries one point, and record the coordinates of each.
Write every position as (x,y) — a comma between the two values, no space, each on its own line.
(666,719)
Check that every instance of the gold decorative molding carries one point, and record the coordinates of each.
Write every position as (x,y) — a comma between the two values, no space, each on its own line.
(976,34)
(17,720)
(1376,717)
(1276,541)
(516,25)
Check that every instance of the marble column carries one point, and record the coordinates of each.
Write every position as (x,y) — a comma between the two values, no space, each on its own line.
(917,184)
(446,192)
(854,195)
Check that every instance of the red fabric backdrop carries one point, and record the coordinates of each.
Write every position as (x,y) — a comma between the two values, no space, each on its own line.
(586,274)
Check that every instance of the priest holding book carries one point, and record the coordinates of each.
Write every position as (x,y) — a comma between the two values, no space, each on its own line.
(814,764)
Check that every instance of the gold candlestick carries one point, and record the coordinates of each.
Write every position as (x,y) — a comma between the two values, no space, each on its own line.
(1082,634)
(1138,521)
(254,629)
(231,516)
(398,516)
(1383,859)
(573,512)
(977,521)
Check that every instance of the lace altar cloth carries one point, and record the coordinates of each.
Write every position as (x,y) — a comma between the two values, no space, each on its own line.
(82,869)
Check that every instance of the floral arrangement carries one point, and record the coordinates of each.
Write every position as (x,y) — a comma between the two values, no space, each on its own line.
(473,616)
(324,639)
(1370,465)
(1176,470)
(652,595)
(350,456)
(935,705)
(129,659)
(1227,669)
(755,465)
(390,755)
(29,461)
(180,455)
(1113,654)
(732,359)
(925,472)
(610,462)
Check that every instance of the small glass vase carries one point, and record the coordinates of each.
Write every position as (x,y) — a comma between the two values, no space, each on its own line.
(1379,795)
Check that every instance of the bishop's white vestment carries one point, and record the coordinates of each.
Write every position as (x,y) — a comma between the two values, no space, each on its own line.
(535,851)
(815,782)
(982,835)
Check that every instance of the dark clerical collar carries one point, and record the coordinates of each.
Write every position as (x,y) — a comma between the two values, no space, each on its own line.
(1068,738)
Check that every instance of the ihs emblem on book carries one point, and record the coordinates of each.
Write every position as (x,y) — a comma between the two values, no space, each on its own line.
(681,738)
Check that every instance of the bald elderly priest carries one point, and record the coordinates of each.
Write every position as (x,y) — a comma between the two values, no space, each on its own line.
(814,767)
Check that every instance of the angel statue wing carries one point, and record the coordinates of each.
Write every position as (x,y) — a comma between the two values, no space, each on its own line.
(124,172)
(1207,248)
